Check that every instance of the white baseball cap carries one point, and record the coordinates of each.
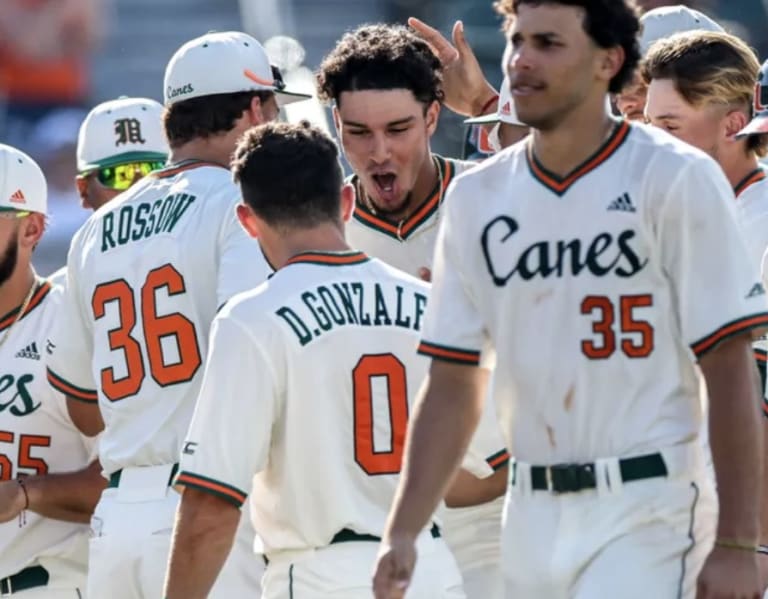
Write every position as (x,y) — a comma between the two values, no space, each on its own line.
(121,131)
(506,110)
(22,183)
(223,63)
(665,21)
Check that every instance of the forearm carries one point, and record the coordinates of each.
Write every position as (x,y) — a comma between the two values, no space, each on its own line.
(203,536)
(467,490)
(70,496)
(440,431)
(736,439)
(763,500)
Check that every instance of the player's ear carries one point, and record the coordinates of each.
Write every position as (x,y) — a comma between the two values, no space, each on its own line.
(347,202)
(735,121)
(432,115)
(336,120)
(248,220)
(31,230)
(610,63)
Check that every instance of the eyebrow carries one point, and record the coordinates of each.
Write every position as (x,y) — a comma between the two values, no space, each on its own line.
(403,121)
(666,117)
(542,36)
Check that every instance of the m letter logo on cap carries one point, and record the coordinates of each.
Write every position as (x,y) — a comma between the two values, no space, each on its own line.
(128,131)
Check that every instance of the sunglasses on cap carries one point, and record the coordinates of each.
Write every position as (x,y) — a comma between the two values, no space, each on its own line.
(120,177)
(12,213)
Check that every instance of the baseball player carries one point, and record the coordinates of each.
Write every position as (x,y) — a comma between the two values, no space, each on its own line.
(318,361)
(120,141)
(701,88)
(613,249)
(145,276)
(659,24)
(386,88)
(47,489)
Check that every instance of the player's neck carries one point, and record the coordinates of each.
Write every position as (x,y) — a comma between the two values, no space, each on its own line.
(738,166)
(217,148)
(15,290)
(323,238)
(572,142)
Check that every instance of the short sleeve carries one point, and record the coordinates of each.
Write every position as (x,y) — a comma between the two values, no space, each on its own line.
(713,278)
(453,328)
(69,349)
(230,433)
(242,265)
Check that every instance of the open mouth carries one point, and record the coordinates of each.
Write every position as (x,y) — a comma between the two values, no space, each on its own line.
(385,181)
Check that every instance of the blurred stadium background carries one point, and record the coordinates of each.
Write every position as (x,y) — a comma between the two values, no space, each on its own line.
(60,57)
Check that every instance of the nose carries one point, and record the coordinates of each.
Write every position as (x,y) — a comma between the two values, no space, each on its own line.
(519,59)
(379,149)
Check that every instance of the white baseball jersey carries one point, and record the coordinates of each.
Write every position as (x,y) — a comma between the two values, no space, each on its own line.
(36,436)
(410,244)
(145,277)
(320,362)
(598,291)
(752,212)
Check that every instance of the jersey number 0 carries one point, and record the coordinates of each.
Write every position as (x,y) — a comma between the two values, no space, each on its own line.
(386,366)
(155,327)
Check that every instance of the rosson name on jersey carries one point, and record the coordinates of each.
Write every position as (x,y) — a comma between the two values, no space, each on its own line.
(316,312)
(604,254)
(131,223)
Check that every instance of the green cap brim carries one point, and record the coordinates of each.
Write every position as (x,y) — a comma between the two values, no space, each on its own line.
(124,158)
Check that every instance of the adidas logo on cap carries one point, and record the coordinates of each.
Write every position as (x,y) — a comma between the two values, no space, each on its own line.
(18,197)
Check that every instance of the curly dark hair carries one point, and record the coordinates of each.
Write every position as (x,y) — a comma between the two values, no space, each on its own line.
(289,174)
(609,23)
(381,57)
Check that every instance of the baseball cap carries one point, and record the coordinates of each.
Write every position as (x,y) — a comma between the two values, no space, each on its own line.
(22,183)
(223,63)
(759,124)
(665,21)
(121,131)
(505,113)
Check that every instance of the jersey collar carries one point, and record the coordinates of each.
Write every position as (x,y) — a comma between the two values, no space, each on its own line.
(44,287)
(756,175)
(329,258)
(422,214)
(560,185)
(180,167)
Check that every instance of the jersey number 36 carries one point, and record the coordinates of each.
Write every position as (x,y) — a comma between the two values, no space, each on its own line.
(156,329)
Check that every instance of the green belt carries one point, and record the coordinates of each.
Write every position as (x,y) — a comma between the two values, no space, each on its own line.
(345,535)
(28,578)
(114,478)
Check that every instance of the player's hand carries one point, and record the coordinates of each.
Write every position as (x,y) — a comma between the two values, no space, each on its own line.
(466,88)
(12,500)
(394,568)
(730,574)
(425,274)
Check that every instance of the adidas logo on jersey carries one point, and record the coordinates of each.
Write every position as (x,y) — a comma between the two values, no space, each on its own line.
(29,352)
(623,203)
(757,289)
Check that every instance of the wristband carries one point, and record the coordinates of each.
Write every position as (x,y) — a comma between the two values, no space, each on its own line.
(23,512)
(737,544)
(488,104)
